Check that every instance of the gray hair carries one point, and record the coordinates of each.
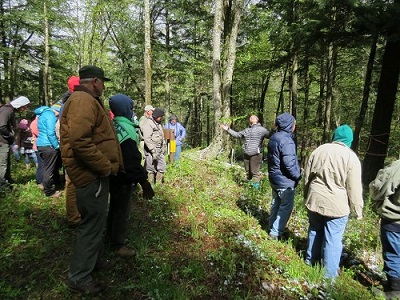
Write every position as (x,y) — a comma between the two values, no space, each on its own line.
(85,80)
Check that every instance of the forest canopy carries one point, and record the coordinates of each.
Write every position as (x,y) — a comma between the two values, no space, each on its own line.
(326,62)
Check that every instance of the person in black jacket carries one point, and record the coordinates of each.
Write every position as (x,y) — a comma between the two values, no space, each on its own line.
(253,138)
(121,184)
(283,173)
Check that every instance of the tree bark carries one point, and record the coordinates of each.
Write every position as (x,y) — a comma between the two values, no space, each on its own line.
(223,70)
(147,52)
(367,86)
(383,112)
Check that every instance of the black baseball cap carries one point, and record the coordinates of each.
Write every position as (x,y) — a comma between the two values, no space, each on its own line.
(92,72)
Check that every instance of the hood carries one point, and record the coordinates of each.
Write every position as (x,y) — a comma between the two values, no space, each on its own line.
(285,122)
(38,111)
(121,105)
(343,134)
(19,102)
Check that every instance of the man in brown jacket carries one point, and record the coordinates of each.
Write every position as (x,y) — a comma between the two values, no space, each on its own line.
(90,152)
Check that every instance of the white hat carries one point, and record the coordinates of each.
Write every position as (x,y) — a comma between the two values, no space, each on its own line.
(19,102)
(148,107)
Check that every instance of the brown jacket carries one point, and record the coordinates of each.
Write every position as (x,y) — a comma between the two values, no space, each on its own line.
(89,145)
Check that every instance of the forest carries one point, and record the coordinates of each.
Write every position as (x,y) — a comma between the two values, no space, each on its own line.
(326,62)
(208,62)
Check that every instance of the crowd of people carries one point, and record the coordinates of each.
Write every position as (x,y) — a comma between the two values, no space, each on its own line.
(102,157)
(332,190)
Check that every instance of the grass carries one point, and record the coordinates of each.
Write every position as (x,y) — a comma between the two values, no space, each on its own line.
(202,237)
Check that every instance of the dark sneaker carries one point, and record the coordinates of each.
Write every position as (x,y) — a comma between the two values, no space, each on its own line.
(90,288)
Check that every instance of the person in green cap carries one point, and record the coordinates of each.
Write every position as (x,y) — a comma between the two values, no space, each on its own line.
(332,186)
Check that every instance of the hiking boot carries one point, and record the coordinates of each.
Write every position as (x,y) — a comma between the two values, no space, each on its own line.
(90,288)
(56,194)
(125,251)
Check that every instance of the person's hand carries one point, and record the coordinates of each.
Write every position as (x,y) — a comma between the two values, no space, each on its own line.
(224,127)
(359,217)
(148,192)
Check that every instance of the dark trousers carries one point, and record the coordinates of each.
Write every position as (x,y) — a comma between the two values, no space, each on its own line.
(118,214)
(92,202)
(50,158)
(252,166)
(39,169)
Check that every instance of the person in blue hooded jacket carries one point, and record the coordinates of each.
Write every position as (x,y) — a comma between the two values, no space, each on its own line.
(284,173)
(49,147)
(121,184)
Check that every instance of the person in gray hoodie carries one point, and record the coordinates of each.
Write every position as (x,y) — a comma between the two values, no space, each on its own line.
(385,192)
(253,137)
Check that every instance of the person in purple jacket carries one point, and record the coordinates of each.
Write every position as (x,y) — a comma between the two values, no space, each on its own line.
(180,134)
(284,173)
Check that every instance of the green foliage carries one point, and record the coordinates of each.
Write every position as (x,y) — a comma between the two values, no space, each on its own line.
(201,237)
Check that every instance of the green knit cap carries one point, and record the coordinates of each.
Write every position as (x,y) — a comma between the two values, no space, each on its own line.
(343,134)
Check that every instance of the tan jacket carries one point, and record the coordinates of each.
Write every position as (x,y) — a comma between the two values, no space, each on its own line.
(89,145)
(153,136)
(333,181)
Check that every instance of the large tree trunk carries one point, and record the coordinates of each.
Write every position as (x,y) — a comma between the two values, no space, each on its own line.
(382,118)
(223,70)
(147,52)
(364,103)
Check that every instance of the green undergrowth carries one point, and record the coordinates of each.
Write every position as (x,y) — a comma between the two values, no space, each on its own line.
(203,236)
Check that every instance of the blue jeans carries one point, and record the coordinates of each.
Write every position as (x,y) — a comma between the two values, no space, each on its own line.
(325,242)
(391,253)
(281,209)
(178,152)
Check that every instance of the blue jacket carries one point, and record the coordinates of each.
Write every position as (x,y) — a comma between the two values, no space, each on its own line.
(180,131)
(283,168)
(47,128)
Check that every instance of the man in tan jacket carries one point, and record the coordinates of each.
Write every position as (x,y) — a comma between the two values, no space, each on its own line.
(332,188)
(90,152)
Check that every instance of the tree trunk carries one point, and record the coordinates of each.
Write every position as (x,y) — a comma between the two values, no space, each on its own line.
(329,92)
(262,97)
(281,103)
(147,52)
(367,86)
(5,90)
(293,86)
(223,69)
(46,56)
(382,118)
(321,102)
